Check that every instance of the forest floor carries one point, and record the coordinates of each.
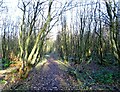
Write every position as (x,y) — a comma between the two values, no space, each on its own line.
(50,75)
(53,74)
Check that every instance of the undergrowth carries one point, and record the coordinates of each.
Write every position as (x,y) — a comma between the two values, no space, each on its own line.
(6,63)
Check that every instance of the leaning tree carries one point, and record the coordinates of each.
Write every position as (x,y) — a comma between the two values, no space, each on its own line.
(38,18)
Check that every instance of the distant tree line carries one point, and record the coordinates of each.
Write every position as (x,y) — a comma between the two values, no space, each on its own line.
(92,35)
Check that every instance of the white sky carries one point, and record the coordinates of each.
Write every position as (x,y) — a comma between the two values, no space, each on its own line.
(13,11)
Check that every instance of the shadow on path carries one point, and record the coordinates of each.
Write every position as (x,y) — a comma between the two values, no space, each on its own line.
(51,77)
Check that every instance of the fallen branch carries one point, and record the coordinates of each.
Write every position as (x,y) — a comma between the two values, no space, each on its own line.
(8,70)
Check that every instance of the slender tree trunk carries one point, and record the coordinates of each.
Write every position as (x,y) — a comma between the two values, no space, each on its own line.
(100,38)
(118,13)
(4,44)
(0,44)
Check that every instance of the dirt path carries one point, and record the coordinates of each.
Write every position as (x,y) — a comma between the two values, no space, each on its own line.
(51,76)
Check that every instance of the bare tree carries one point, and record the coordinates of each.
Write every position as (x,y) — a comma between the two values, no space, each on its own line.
(114,29)
(118,13)
(3,9)
(33,29)
(1,2)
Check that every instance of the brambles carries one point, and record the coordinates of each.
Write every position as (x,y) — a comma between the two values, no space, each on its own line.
(103,76)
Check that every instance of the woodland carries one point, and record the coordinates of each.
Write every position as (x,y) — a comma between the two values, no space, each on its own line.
(60,45)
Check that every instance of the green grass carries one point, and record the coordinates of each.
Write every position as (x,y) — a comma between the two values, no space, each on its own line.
(103,76)
(2,81)
(6,62)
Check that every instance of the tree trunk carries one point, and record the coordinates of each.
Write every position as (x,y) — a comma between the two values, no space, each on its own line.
(118,13)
